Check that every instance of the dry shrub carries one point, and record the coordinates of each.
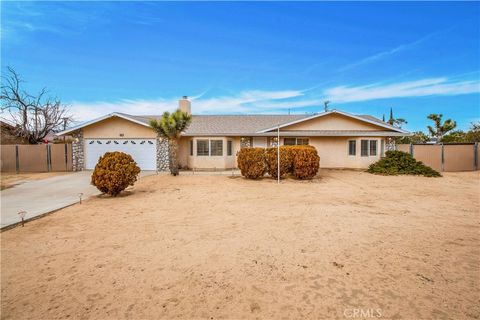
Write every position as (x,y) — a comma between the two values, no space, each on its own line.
(302,162)
(286,161)
(306,162)
(114,172)
(251,162)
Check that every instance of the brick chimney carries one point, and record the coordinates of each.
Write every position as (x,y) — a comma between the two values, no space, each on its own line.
(185,105)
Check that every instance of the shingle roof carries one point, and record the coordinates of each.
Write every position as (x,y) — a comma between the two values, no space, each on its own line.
(371,118)
(230,124)
(215,125)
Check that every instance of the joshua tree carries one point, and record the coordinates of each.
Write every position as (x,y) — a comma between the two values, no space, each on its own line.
(170,126)
(440,129)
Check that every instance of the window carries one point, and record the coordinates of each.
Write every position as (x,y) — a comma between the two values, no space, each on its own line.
(295,141)
(216,147)
(352,147)
(289,141)
(364,148)
(373,147)
(191,147)
(369,148)
(302,141)
(202,148)
(229,147)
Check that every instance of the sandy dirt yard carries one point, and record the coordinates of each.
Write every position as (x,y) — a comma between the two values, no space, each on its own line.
(9,180)
(215,247)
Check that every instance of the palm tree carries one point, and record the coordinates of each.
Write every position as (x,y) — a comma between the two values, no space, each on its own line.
(170,126)
(440,129)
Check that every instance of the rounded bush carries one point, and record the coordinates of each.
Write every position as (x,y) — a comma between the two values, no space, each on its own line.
(306,162)
(251,162)
(286,161)
(114,172)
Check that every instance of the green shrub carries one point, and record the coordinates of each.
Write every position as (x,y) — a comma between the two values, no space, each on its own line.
(251,162)
(398,162)
(286,161)
(114,172)
(306,162)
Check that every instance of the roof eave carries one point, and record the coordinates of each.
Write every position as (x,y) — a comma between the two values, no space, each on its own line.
(300,134)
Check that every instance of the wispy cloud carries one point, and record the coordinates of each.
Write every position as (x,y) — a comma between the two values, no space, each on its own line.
(252,101)
(259,101)
(418,88)
(389,52)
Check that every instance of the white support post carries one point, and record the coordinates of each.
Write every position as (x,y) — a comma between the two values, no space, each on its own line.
(278,153)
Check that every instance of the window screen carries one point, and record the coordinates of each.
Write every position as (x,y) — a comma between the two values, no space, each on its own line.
(191,147)
(202,147)
(216,147)
(302,141)
(352,147)
(373,147)
(289,141)
(364,147)
(229,148)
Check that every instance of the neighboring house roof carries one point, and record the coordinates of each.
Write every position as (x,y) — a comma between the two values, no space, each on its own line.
(254,125)
(6,125)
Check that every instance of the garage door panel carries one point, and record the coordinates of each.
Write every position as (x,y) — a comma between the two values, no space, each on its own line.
(143,151)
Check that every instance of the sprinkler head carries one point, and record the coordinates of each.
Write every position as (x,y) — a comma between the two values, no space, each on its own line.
(22,215)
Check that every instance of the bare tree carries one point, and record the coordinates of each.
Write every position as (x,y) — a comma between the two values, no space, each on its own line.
(33,116)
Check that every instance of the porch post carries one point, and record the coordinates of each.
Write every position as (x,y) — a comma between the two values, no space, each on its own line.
(278,153)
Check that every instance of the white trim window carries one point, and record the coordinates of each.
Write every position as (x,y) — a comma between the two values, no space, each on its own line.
(295,141)
(216,147)
(373,147)
(352,147)
(368,148)
(207,147)
(229,147)
(203,148)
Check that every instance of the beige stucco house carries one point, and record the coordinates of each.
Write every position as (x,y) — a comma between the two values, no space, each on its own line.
(343,140)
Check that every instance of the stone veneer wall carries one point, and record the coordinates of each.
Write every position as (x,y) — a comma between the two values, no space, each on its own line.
(272,142)
(390,144)
(78,152)
(163,163)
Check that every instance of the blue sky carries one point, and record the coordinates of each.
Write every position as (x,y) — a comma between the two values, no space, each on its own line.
(250,57)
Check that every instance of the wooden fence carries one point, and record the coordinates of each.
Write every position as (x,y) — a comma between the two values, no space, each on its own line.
(36,158)
(445,157)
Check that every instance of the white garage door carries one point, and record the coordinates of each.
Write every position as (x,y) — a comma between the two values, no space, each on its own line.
(143,151)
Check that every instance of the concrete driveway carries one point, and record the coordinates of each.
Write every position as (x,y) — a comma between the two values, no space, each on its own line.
(38,197)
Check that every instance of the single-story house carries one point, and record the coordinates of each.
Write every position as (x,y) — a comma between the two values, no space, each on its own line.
(343,140)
